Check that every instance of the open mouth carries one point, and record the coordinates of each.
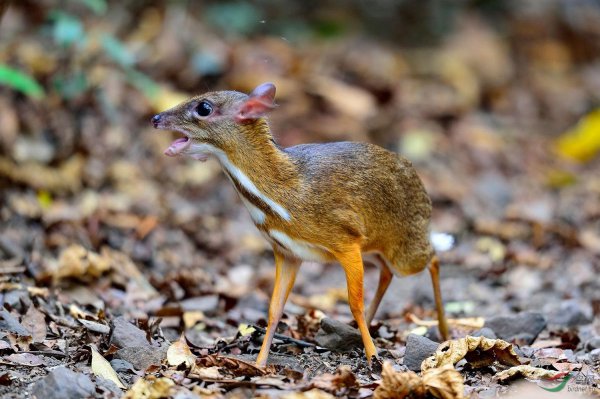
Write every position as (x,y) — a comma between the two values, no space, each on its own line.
(178,146)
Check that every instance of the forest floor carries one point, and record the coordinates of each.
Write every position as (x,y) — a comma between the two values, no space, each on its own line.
(145,276)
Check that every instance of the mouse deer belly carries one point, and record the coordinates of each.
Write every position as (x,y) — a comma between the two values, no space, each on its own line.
(297,248)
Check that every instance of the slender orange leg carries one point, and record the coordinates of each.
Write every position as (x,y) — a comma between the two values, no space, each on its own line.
(351,261)
(385,278)
(285,275)
(434,270)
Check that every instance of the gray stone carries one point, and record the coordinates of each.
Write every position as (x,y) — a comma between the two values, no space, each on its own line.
(125,334)
(595,355)
(120,365)
(11,324)
(418,348)
(485,332)
(142,357)
(338,336)
(522,328)
(593,343)
(570,314)
(206,303)
(63,383)
(108,388)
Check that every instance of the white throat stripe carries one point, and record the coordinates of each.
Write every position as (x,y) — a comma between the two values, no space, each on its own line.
(240,177)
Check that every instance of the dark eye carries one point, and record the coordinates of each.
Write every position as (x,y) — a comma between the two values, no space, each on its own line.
(204,108)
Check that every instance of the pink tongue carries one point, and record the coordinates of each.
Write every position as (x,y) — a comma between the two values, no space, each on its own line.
(177,146)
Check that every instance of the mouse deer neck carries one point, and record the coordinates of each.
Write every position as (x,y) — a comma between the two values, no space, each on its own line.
(257,166)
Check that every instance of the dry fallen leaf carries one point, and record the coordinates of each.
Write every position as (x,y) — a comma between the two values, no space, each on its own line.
(245,329)
(526,371)
(443,383)
(207,373)
(478,351)
(467,322)
(190,319)
(102,368)
(179,352)
(343,380)
(35,322)
(312,394)
(76,261)
(233,366)
(150,388)
(25,359)
(582,142)
(67,177)
(349,100)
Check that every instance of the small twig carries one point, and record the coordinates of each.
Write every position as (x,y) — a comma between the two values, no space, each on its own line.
(473,322)
(46,353)
(285,338)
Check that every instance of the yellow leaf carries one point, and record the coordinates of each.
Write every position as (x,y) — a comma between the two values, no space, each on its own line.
(526,371)
(312,394)
(150,388)
(207,373)
(44,198)
(245,329)
(478,351)
(442,383)
(166,99)
(582,142)
(102,368)
(190,319)
(179,352)
(76,261)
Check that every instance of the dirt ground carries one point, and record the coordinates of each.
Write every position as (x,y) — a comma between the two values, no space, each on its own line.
(145,276)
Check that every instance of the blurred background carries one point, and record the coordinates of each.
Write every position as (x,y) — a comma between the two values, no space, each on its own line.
(495,102)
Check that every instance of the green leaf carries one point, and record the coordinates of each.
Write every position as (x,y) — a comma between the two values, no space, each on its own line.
(115,49)
(240,17)
(67,29)
(143,83)
(71,86)
(20,81)
(97,6)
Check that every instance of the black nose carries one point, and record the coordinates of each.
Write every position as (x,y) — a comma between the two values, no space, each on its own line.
(156,120)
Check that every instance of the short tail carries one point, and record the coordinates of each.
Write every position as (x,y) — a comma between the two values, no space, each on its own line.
(441,241)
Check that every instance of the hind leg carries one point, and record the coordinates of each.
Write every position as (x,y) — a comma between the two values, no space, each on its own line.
(385,278)
(434,270)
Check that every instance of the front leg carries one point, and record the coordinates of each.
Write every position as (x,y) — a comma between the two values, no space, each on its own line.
(285,275)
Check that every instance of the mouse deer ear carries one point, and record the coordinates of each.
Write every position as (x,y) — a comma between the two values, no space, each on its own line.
(261,100)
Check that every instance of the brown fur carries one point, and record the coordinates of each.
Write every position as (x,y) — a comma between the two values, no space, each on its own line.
(337,193)
(346,199)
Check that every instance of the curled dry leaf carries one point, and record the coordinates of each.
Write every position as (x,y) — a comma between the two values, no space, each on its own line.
(467,322)
(150,388)
(207,373)
(102,368)
(179,352)
(233,366)
(76,261)
(25,359)
(443,383)
(478,351)
(342,381)
(526,371)
(67,177)
(35,322)
(312,394)
(190,319)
